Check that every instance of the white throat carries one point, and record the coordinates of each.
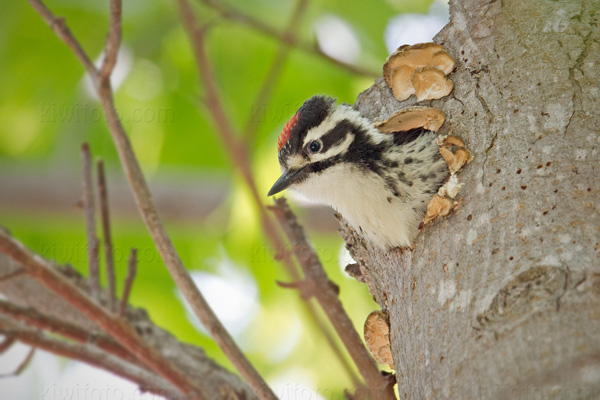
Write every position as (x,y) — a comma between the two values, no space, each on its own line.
(360,198)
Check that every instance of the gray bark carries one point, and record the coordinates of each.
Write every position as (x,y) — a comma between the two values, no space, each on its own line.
(502,298)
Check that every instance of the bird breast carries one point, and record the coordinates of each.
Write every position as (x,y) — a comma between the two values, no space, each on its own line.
(360,196)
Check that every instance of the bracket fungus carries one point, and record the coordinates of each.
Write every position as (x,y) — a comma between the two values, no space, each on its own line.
(455,153)
(419,69)
(377,337)
(413,117)
(439,206)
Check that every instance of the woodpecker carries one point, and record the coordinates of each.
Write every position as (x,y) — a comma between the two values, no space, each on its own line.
(379,182)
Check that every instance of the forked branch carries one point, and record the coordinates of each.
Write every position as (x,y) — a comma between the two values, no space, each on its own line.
(91,355)
(120,330)
(148,210)
(35,319)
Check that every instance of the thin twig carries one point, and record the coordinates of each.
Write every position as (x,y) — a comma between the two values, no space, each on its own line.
(90,221)
(163,243)
(120,330)
(213,102)
(276,68)
(93,356)
(21,367)
(108,246)
(13,274)
(238,156)
(242,364)
(34,318)
(131,269)
(113,41)
(61,29)
(304,288)
(236,151)
(312,48)
(7,343)
(169,255)
(327,297)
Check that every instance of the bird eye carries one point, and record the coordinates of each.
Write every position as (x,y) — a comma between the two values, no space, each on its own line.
(314,146)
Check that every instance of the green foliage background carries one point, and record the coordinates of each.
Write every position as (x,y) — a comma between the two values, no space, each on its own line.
(46,115)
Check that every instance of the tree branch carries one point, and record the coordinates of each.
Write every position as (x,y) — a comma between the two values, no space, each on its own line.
(27,292)
(108,245)
(12,275)
(327,296)
(113,41)
(41,270)
(61,29)
(34,318)
(91,355)
(164,244)
(90,221)
(22,365)
(7,343)
(131,270)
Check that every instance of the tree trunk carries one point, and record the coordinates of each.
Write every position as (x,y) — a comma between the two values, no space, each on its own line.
(502,298)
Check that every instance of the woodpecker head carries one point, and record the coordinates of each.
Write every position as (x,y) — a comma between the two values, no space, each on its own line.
(317,137)
(380,181)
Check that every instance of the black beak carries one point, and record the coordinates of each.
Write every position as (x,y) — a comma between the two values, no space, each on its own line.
(285,180)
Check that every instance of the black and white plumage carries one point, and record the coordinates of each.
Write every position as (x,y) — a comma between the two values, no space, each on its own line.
(380,182)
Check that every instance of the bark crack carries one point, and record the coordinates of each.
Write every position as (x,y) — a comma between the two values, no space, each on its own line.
(487,153)
(490,115)
(576,101)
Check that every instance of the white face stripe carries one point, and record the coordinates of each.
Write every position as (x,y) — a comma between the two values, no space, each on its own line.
(339,114)
(297,161)
(342,112)
(335,150)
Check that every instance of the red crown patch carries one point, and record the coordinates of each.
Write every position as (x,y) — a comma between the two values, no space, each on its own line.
(287,131)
